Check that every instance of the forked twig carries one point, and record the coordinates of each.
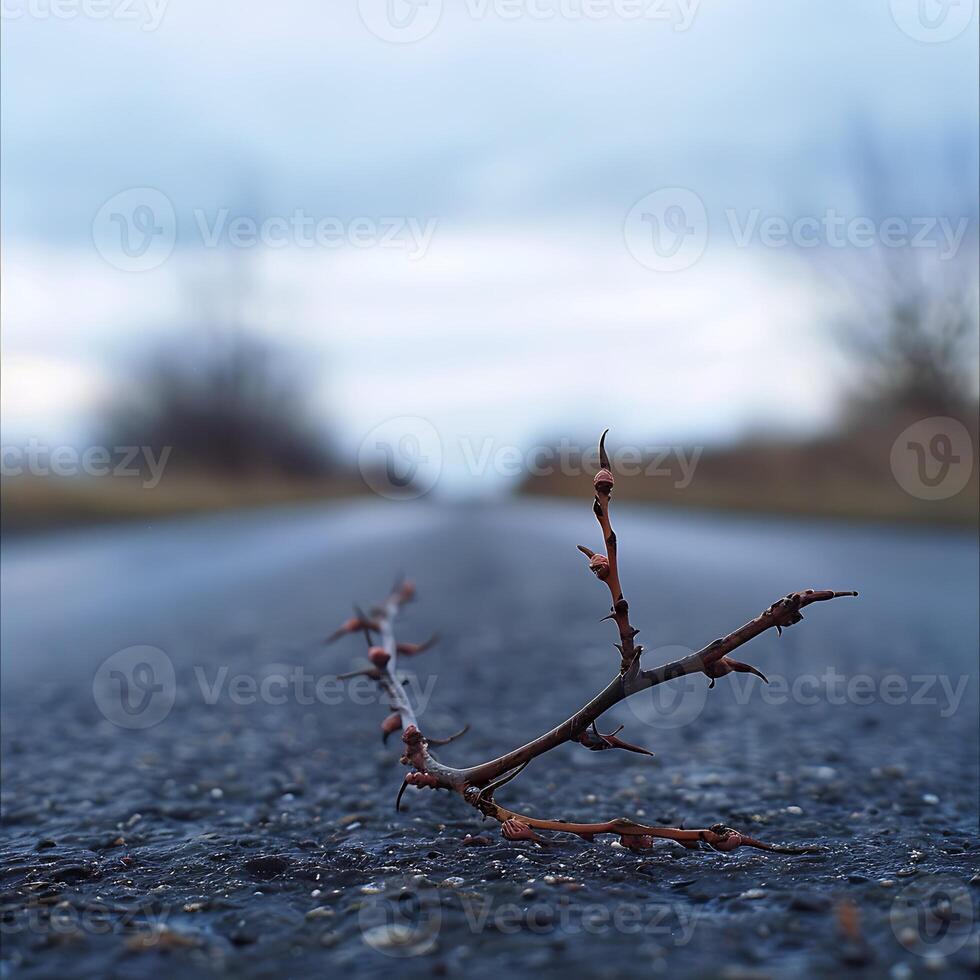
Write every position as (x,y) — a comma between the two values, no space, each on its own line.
(477,784)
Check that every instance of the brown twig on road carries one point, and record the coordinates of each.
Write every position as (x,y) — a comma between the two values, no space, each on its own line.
(477,784)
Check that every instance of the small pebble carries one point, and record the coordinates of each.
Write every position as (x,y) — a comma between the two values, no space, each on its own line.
(930,798)
(809,902)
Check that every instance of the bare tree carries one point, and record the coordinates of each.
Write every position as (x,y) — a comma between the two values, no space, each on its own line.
(911,327)
(224,402)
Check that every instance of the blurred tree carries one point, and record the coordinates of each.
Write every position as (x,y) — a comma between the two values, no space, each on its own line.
(911,327)
(226,402)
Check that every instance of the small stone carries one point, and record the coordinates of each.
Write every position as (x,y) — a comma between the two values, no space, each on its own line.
(399,939)
(753,893)
(796,811)
(529,893)
(320,912)
(267,866)
(217,793)
(371,889)
(454,882)
(809,902)
(886,882)
(930,798)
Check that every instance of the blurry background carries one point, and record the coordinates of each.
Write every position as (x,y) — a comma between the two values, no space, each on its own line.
(739,235)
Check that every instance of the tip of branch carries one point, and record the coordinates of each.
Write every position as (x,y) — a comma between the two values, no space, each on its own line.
(603,456)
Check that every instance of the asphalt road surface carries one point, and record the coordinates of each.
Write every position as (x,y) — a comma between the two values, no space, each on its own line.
(188,791)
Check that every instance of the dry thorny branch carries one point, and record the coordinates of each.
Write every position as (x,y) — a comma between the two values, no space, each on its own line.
(478,784)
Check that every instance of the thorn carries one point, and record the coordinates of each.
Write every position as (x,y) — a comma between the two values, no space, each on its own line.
(603,457)
(411,649)
(487,792)
(362,672)
(515,830)
(392,723)
(449,738)
(398,798)
(588,552)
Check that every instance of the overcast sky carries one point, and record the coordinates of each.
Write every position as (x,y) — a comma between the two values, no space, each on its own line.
(505,155)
